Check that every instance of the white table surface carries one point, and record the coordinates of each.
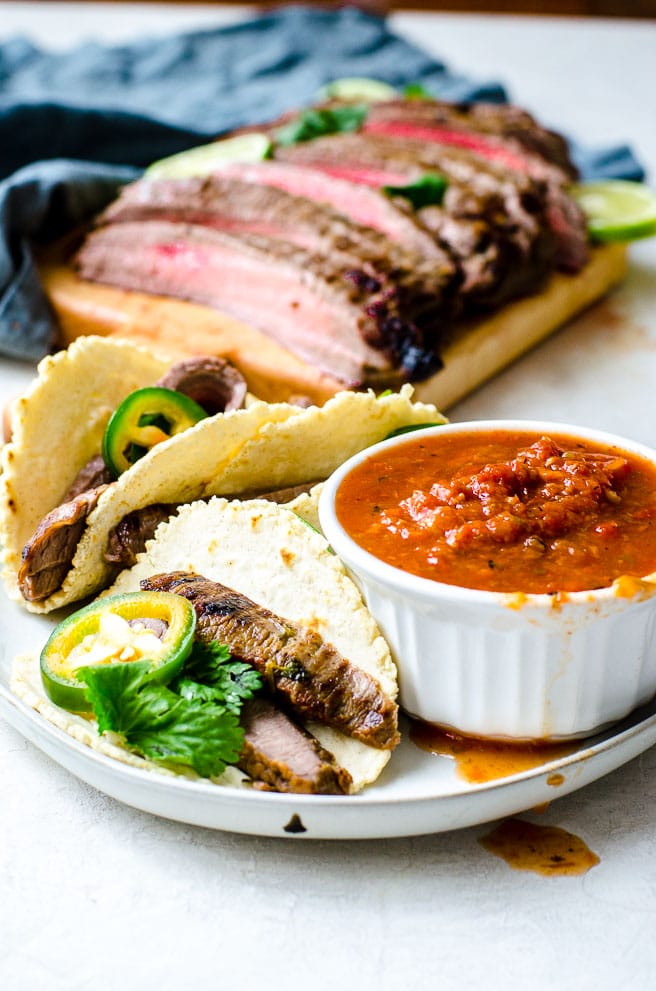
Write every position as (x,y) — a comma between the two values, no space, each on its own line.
(96,895)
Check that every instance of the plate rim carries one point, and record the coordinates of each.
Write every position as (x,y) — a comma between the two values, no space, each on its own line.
(626,739)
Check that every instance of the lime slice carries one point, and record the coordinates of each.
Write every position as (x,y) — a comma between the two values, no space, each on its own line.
(617,210)
(357,88)
(202,160)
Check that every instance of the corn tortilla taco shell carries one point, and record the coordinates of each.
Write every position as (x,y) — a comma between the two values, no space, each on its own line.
(26,684)
(252,450)
(267,553)
(58,425)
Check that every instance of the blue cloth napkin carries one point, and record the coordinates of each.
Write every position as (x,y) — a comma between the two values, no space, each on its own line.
(74,127)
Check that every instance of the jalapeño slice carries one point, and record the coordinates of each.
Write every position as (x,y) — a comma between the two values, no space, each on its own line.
(146,418)
(157,627)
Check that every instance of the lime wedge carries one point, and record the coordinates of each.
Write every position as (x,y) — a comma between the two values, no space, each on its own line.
(357,88)
(617,210)
(202,160)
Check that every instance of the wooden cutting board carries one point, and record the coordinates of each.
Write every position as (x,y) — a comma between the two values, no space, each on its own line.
(477,352)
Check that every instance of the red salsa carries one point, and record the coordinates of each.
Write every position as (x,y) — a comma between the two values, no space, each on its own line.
(505,511)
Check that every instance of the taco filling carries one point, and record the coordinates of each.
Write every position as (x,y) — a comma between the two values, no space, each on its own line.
(288,679)
(298,668)
(59,548)
(145,417)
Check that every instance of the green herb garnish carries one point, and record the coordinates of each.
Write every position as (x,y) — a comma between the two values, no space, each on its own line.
(317,122)
(428,190)
(415,91)
(194,721)
(211,675)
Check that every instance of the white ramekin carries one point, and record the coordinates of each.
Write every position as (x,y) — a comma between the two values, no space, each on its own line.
(507,665)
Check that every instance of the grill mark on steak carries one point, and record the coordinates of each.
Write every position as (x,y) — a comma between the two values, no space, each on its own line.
(284,756)
(305,301)
(303,673)
(47,556)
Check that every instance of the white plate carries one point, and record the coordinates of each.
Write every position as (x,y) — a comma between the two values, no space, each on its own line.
(418,792)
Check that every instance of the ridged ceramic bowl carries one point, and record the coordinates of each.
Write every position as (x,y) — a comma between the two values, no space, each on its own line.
(507,665)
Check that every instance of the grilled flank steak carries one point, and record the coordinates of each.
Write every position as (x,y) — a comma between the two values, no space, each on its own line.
(316,251)
(301,671)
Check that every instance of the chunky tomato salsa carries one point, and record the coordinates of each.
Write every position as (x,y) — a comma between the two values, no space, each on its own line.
(505,511)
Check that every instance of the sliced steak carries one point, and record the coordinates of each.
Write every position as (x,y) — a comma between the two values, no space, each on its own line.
(364,206)
(241,207)
(94,473)
(130,535)
(509,208)
(563,215)
(496,134)
(493,128)
(362,326)
(212,382)
(284,756)
(511,126)
(507,122)
(47,556)
(303,673)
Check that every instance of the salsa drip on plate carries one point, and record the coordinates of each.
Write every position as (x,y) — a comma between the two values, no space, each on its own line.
(505,511)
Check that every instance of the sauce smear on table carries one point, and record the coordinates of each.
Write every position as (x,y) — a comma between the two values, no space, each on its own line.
(547,850)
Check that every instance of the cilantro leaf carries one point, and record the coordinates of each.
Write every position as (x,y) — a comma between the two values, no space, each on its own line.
(317,122)
(201,736)
(204,659)
(160,724)
(417,91)
(210,675)
(428,190)
(110,687)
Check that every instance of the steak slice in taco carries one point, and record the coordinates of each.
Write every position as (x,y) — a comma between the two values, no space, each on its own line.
(299,669)
(265,553)
(280,755)
(242,451)
(267,588)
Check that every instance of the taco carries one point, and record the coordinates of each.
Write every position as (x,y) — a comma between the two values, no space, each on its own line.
(277,575)
(58,548)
